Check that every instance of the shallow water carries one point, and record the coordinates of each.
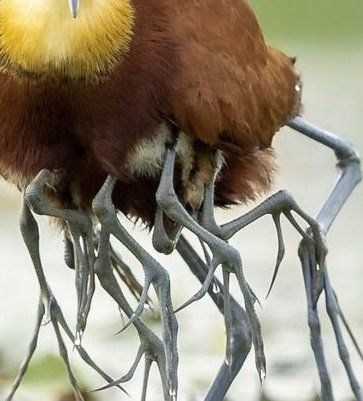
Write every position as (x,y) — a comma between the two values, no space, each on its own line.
(333,99)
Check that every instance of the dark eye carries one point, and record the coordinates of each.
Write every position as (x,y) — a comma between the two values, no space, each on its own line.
(293,60)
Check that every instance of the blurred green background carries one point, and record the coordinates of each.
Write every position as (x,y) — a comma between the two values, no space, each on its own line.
(315,23)
(327,38)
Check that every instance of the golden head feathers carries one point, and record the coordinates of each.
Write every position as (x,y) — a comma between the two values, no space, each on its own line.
(40,37)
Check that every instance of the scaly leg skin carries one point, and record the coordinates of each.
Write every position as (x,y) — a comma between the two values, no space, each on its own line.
(80,228)
(151,346)
(207,220)
(240,335)
(31,349)
(122,269)
(223,253)
(311,253)
(280,203)
(69,256)
(155,274)
(47,304)
(349,164)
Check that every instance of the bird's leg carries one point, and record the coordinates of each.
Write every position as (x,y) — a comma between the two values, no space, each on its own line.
(240,335)
(85,278)
(155,274)
(207,220)
(312,254)
(307,258)
(349,164)
(164,241)
(29,355)
(122,269)
(30,233)
(223,253)
(69,256)
(281,202)
(151,346)
(80,228)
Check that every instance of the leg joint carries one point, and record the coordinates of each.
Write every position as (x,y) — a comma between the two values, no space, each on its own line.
(313,321)
(34,198)
(104,211)
(166,200)
(286,199)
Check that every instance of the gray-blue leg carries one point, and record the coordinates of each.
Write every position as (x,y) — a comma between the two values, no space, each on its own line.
(30,352)
(155,274)
(47,304)
(223,253)
(151,346)
(80,228)
(240,335)
(349,164)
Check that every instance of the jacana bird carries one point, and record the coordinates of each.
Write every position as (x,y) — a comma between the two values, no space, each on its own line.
(161,110)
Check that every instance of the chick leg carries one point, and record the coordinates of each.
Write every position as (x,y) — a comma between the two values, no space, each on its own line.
(47,303)
(223,253)
(30,352)
(151,346)
(123,271)
(240,335)
(80,228)
(155,274)
(208,222)
(282,202)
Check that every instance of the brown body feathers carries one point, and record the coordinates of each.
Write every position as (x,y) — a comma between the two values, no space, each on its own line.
(203,65)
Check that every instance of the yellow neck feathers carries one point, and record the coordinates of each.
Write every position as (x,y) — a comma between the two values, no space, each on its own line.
(40,37)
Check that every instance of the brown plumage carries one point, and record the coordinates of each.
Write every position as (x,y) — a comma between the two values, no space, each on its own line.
(201,66)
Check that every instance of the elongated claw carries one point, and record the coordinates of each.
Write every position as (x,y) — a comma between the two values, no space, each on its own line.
(129,375)
(314,266)
(347,327)
(122,269)
(257,339)
(333,313)
(164,353)
(307,257)
(141,306)
(281,203)
(31,349)
(207,283)
(64,354)
(313,233)
(80,229)
(223,253)
(238,331)
(145,383)
(81,351)
(281,250)
(47,304)
(314,289)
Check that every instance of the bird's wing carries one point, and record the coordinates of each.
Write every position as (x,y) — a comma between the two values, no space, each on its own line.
(231,88)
